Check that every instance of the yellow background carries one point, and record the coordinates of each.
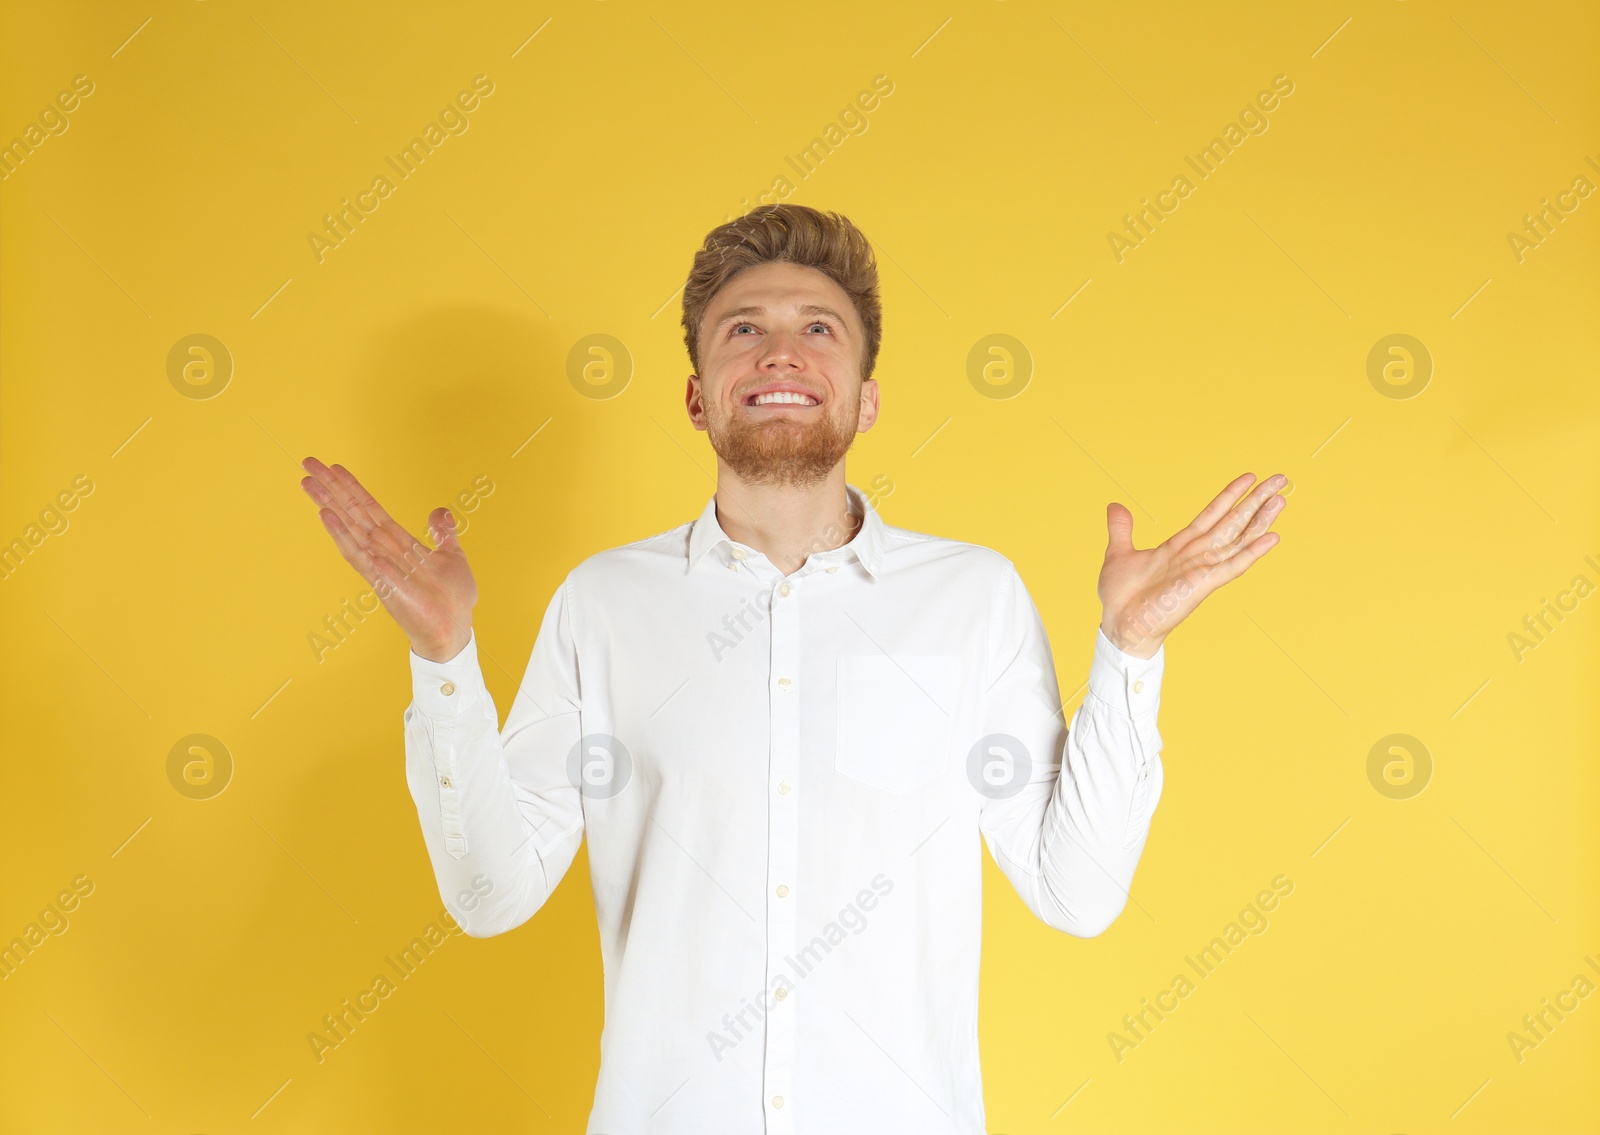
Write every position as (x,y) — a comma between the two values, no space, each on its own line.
(427,349)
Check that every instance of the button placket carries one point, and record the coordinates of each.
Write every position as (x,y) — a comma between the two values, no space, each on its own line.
(783,850)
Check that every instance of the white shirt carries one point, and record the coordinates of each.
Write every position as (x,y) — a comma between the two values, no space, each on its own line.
(783,780)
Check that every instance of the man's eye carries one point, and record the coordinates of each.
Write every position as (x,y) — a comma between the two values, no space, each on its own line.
(823,325)
(738,326)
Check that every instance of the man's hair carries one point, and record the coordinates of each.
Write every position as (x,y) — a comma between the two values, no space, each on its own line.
(827,242)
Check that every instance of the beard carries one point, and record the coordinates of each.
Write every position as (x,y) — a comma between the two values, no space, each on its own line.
(782,450)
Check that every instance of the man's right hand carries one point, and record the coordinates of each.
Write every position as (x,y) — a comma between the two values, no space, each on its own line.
(430,592)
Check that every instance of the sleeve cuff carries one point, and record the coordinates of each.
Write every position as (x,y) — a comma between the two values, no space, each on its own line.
(1128,684)
(447,689)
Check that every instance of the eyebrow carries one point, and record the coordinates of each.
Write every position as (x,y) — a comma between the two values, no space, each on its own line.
(805,309)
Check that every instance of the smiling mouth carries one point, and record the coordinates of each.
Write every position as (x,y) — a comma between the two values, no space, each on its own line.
(783,400)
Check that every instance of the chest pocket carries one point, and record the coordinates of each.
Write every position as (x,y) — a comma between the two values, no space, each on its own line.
(896,717)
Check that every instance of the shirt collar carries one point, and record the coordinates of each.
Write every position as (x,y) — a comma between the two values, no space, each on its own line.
(866,546)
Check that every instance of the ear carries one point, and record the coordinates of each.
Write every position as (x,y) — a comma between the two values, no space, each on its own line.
(693,403)
(869,405)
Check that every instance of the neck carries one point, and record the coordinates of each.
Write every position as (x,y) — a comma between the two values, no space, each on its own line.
(787,523)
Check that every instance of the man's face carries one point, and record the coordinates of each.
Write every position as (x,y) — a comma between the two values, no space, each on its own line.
(785,329)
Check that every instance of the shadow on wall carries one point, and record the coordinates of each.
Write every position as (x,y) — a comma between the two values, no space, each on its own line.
(454,394)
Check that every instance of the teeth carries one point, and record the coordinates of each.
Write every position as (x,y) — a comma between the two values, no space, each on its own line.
(784,397)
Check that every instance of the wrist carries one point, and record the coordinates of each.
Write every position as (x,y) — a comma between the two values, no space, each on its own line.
(445,651)
(1134,641)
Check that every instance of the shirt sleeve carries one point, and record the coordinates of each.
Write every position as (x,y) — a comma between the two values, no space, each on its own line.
(1067,812)
(500,816)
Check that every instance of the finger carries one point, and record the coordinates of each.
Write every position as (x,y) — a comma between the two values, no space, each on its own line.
(350,545)
(352,497)
(1229,529)
(442,529)
(373,543)
(367,550)
(317,489)
(379,534)
(395,554)
(1218,508)
(319,471)
(360,498)
(1236,565)
(1119,528)
(1264,518)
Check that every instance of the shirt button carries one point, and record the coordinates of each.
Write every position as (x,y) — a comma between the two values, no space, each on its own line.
(784,683)
(783,788)
(733,565)
(783,890)
(781,992)
(832,568)
(777,1101)
(444,782)
(447,689)
(784,590)
(738,553)
(1138,687)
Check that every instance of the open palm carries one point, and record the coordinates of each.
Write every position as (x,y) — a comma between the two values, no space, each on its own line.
(1145,593)
(429,591)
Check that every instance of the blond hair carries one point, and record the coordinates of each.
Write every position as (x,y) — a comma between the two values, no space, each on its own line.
(801,235)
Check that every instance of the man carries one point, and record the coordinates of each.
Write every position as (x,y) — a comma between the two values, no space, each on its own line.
(781,729)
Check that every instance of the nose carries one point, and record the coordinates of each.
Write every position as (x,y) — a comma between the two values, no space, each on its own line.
(782,349)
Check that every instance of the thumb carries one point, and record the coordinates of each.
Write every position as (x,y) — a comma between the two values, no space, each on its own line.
(442,527)
(1119,528)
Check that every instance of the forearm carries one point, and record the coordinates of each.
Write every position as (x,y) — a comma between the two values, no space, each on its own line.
(1071,839)
(497,849)
(1099,814)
